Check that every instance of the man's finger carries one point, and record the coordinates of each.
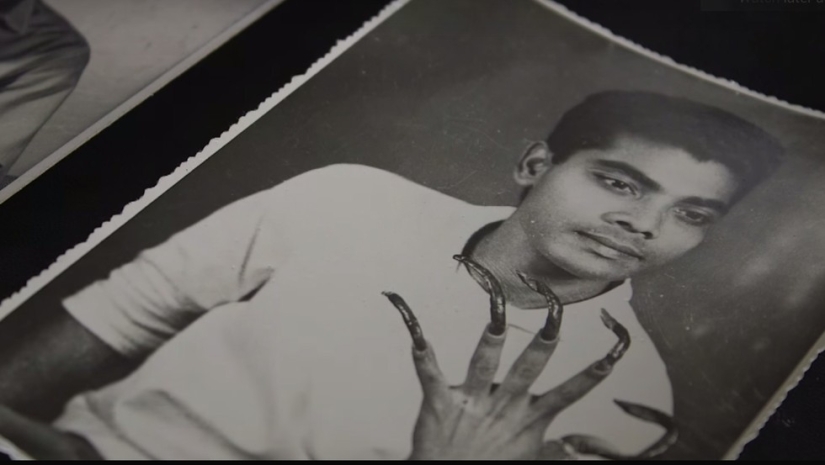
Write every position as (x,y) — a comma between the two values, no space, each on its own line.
(484,363)
(532,361)
(555,309)
(590,445)
(559,398)
(432,380)
(527,367)
(429,374)
(498,317)
(652,415)
(556,450)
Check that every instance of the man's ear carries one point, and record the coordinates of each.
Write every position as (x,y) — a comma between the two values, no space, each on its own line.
(533,164)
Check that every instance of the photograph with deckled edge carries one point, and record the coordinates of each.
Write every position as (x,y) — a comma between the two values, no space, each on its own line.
(471,167)
(70,68)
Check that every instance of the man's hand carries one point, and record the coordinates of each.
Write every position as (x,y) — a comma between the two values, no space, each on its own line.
(485,421)
(40,441)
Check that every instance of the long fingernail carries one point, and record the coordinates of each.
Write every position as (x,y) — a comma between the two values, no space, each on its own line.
(633,409)
(409,319)
(618,350)
(555,311)
(529,282)
(554,307)
(498,319)
(653,416)
(645,413)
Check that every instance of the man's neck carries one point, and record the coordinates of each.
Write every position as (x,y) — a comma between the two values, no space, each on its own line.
(503,249)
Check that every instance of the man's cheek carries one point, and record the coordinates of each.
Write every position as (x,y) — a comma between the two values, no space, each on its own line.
(543,228)
(677,247)
(583,200)
(592,204)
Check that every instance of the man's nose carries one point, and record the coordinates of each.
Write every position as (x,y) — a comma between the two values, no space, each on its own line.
(644,222)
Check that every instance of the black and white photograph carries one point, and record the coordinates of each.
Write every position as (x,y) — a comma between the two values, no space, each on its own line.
(68,68)
(474,230)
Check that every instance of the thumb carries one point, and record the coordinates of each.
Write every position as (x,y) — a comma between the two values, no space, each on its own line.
(555,450)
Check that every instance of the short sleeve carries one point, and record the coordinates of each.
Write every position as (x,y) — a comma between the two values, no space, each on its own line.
(218,260)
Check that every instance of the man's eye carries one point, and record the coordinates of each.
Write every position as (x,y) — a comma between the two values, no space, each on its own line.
(694,217)
(617,185)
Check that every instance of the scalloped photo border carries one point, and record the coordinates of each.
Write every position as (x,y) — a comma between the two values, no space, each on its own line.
(119,111)
(166,182)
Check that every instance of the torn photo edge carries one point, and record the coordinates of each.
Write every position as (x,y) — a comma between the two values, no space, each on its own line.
(122,109)
(72,255)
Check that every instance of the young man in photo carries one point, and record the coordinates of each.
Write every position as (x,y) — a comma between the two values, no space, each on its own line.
(263,332)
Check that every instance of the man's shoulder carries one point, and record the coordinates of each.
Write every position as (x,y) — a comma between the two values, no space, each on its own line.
(346,185)
(350,174)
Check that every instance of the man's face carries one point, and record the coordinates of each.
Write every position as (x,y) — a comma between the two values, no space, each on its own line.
(611,213)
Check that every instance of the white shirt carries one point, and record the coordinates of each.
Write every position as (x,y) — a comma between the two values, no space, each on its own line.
(317,363)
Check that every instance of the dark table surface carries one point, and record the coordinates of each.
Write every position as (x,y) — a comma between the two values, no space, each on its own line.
(778,52)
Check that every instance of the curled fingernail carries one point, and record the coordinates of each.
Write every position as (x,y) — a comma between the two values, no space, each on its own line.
(409,319)
(645,413)
(619,349)
(526,280)
(555,309)
(652,415)
(498,319)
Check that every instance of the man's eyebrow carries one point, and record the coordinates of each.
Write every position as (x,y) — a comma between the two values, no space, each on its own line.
(643,179)
(631,171)
(717,205)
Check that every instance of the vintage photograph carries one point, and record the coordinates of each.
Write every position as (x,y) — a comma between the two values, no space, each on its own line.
(69,68)
(474,230)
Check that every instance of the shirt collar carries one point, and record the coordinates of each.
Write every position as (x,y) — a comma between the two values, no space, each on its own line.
(486,218)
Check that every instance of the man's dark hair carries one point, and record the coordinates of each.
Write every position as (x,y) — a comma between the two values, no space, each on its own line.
(706,132)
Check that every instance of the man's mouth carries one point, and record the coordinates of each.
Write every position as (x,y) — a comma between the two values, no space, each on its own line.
(608,247)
